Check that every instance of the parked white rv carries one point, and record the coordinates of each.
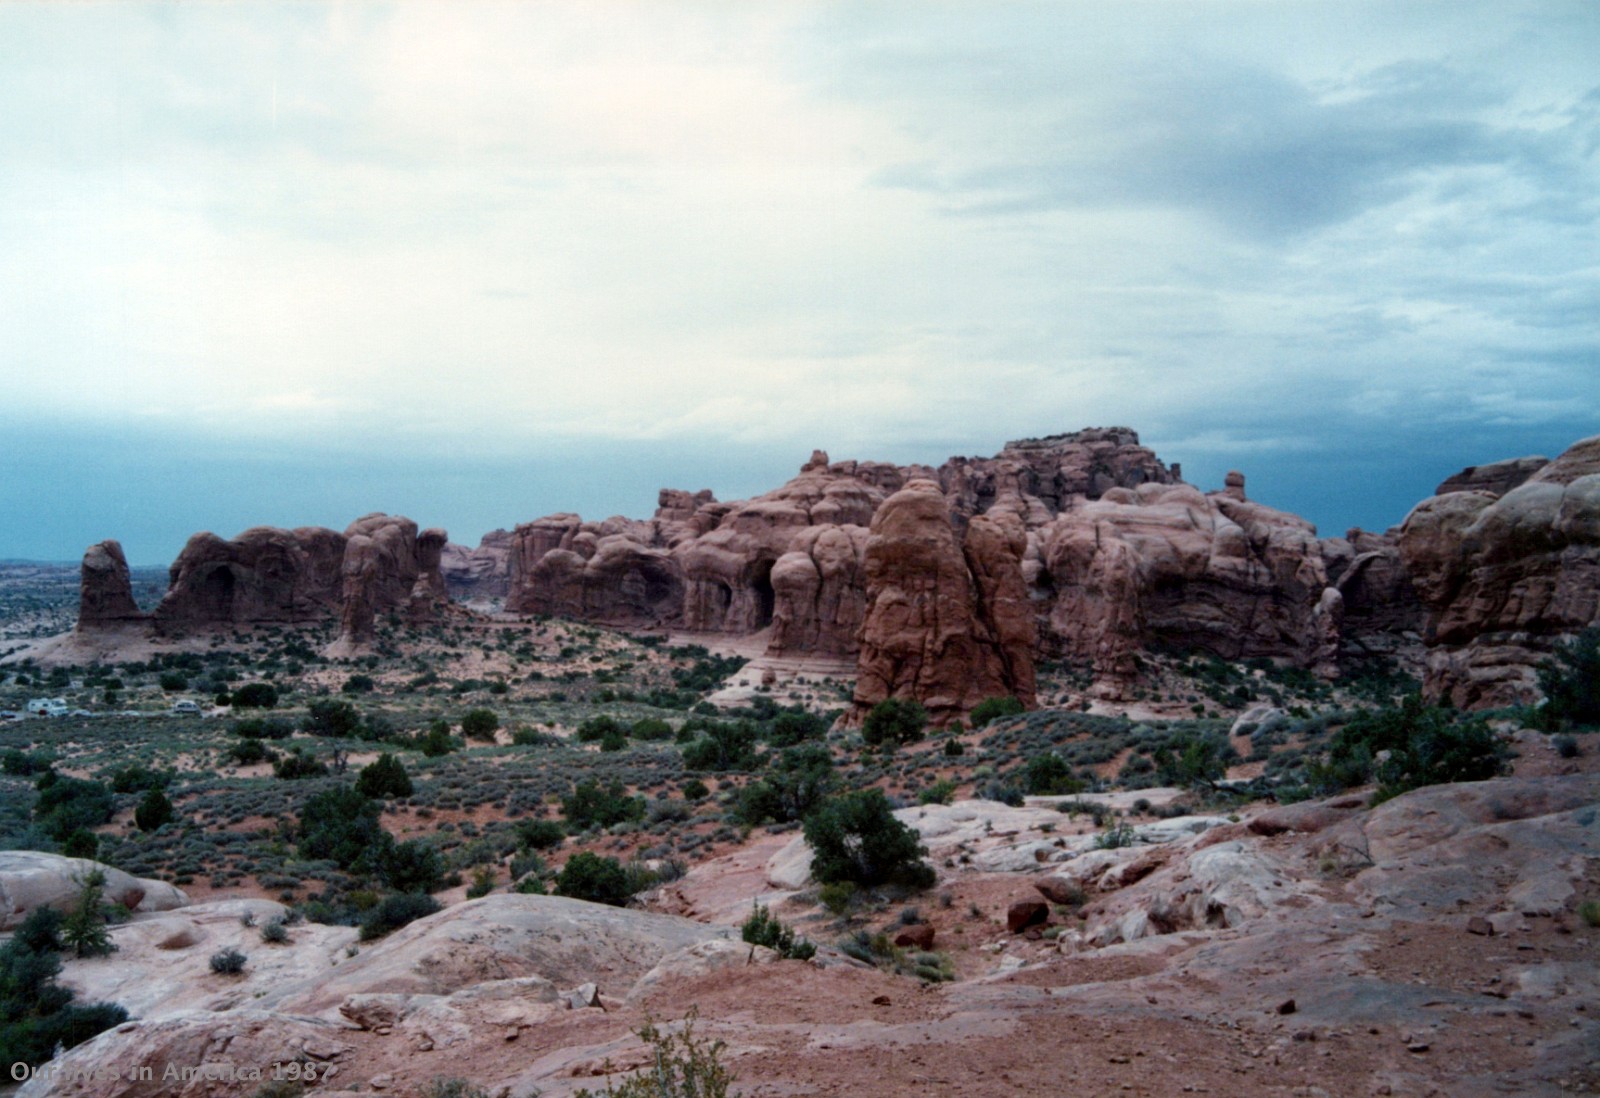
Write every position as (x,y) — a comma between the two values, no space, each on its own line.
(47,707)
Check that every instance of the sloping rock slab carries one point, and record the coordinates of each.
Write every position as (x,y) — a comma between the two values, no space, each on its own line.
(194,1055)
(565,941)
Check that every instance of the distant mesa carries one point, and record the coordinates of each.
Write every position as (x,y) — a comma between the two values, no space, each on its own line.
(947,584)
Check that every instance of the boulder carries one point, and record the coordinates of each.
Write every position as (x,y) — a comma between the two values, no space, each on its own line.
(30,879)
(1025,913)
(915,936)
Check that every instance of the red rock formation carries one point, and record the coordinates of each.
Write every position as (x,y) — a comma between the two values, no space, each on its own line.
(929,632)
(1504,579)
(820,592)
(1497,478)
(105,589)
(1382,614)
(611,572)
(429,599)
(483,572)
(1168,566)
(264,575)
(380,571)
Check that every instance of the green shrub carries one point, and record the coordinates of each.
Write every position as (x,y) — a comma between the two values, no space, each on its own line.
(228,962)
(411,866)
(1049,774)
(855,837)
(480,724)
(1571,683)
(651,728)
(332,717)
(792,727)
(138,779)
(1427,745)
(83,930)
(762,928)
(722,745)
(993,708)
(384,777)
(1193,761)
(437,740)
(838,897)
(255,695)
(250,752)
(275,933)
(341,825)
(893,722)
(942,791)
(540,834)
(65,805)
(153,811)
(483,882)
(298,764)
(394,912)
(801,778)
(681,1066)
(37,1014)
(594,878)
(358,684)
(596,729)
(590,805)
(24,764)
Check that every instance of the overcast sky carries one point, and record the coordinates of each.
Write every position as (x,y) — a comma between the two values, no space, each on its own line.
(474,263)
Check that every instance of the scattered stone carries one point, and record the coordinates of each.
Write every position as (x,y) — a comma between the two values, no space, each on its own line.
(1480,926)
(1287,1007)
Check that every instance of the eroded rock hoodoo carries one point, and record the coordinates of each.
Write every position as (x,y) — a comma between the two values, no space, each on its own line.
(945,624)
(105,589)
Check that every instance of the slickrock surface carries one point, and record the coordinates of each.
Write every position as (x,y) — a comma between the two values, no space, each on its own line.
(1426,947)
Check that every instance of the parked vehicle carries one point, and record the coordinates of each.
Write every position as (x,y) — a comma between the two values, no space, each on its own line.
(185,707)
(47,707)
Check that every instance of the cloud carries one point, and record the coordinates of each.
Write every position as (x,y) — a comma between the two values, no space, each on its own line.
(517,230)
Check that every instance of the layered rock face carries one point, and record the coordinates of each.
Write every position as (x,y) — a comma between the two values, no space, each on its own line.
(1505,578)
(945,624)
(105,588)
(1169,566)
